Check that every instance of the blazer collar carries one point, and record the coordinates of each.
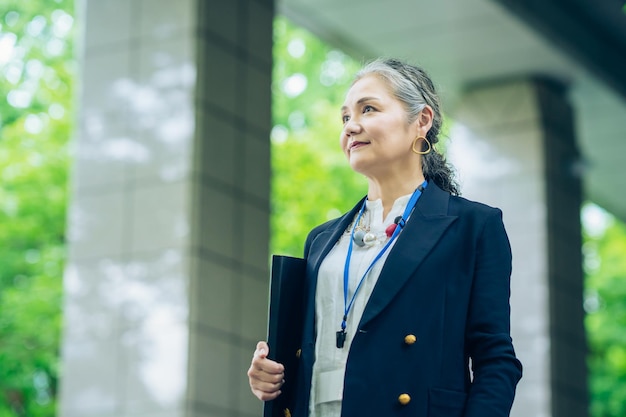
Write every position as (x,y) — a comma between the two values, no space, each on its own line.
(324,242)
(423,230)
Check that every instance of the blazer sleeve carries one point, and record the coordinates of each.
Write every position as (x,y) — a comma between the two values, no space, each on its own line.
(495,368)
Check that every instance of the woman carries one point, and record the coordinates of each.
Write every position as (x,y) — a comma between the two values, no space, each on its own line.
(410,285)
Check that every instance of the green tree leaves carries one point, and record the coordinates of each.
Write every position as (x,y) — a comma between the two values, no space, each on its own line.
(312,181)
(36,78)
(605,303)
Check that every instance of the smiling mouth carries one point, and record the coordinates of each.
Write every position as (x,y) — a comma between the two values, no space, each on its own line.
(357,144)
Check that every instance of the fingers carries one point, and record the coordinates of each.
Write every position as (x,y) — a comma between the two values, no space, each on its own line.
(266,391)
(261,363)
(262,349)
(263,385)
(266,376)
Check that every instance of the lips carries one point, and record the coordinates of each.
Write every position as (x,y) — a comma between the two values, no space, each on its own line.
(356,144)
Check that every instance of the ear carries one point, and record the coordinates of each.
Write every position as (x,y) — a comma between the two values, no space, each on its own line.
(424,120)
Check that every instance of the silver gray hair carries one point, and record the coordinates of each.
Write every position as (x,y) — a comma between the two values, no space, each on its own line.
(412,86)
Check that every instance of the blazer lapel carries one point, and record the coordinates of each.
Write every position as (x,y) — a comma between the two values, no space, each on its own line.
(423,230)
(325,241)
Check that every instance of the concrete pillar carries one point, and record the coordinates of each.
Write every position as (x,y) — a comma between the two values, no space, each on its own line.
(169,218)
(514,147)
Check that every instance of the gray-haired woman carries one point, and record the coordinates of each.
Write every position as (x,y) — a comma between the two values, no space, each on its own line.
(408,286)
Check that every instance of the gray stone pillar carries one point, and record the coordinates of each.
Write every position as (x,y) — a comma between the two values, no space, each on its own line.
(167,277)
(514,147)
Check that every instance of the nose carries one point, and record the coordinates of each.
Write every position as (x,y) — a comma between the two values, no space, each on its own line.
(352,127)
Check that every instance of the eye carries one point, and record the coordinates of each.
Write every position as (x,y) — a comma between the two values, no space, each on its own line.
(367,108)
(345,118)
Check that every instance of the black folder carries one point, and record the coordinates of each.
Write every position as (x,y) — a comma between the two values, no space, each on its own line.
(284,335)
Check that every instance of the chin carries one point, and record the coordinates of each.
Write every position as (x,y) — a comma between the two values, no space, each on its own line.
(359,166)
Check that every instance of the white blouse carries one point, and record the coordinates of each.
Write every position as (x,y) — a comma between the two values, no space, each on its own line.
(330,362)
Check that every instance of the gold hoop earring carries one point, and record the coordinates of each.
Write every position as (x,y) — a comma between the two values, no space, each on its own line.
(427,151)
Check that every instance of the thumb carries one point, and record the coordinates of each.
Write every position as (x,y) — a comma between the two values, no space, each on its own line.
(262,350)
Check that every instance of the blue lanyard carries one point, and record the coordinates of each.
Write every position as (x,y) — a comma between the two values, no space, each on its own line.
(346,271)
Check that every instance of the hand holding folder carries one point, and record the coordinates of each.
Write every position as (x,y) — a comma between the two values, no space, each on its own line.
(286,313)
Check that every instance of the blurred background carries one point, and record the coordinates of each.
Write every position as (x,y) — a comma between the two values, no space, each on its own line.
(154,154)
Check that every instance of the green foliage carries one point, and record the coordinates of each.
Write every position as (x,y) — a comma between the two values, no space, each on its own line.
(605,302)
(312,181)
(36,77)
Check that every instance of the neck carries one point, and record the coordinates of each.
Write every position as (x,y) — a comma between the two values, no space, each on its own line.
(388,190)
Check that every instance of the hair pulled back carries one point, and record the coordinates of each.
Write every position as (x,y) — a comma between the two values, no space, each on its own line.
(414,88)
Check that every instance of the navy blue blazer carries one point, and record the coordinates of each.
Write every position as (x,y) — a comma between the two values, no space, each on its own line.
(446,285)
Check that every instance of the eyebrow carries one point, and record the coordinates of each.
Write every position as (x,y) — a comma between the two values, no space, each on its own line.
(361,101)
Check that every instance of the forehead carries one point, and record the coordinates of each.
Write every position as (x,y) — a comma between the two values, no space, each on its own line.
(368,86)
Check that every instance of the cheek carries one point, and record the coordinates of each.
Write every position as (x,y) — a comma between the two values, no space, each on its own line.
(343,141)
